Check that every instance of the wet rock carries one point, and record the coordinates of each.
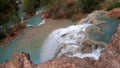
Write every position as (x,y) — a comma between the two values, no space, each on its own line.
(114,13)
(19,60)
(68,62)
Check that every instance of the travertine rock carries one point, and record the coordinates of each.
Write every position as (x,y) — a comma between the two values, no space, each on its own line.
(114,13)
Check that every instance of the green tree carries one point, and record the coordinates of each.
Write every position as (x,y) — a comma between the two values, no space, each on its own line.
(4,4)
(29,6)
(89,5)
(113,4)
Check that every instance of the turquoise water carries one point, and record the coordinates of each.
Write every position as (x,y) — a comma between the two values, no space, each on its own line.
(21,14)
(30,43)
(20,44)
(107,28)
(36,19)
(30,46)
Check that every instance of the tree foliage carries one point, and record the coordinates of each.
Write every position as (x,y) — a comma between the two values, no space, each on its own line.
(113,4)
(29,5)
(5,4)
(8,11)
(89,5)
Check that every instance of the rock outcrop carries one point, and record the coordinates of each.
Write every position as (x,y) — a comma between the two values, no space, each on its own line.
(13,32)
(114,13)
(19,60)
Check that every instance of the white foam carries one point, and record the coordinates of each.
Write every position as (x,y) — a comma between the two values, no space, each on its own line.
(71,36)
(95,54)
(41,23)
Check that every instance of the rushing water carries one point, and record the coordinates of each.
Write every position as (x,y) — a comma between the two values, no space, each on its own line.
(67,42)
(69,38)
(85,40)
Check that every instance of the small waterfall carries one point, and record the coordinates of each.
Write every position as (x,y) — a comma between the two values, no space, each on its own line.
(65,41)
(95,54)
(88,39)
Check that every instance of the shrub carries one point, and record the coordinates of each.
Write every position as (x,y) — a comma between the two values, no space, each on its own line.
(29,6)
(89,5)
(8,11)
(61,9)
(46,2)
(113,4)
(5,4)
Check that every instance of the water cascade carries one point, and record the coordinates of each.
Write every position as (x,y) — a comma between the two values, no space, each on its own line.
(88,39)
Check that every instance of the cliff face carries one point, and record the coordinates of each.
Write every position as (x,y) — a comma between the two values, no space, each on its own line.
(109,59)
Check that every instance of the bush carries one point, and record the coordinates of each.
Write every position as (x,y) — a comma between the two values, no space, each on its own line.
(5,4)
(47,2)
(89,5)
(113,4)
(61,9)
(13,16)
(29,6)
(8,11)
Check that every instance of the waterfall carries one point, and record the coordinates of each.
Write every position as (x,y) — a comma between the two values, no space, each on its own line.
(66,41)
(88,39)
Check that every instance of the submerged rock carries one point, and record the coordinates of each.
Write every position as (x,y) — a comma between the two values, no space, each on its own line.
(110,58)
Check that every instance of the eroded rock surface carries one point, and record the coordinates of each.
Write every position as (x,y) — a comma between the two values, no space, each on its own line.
(114,13)
(110,58)
(19,60)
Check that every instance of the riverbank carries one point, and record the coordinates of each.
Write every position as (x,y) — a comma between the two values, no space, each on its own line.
(13,33)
